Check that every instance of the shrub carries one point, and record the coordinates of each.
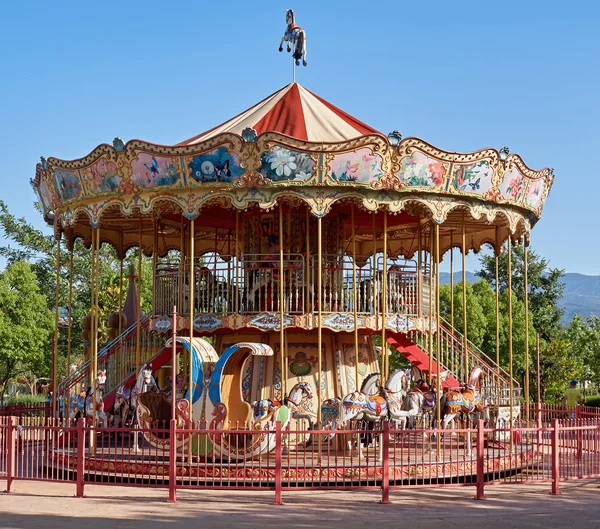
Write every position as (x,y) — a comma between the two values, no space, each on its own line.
(594,400)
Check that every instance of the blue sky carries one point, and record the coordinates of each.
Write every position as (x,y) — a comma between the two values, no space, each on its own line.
(461,75)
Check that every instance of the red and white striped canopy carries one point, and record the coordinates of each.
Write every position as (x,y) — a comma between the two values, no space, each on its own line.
(296,112)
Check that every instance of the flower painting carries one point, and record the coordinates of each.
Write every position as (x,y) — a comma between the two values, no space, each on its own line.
(473,178)
(534,193)
(513,185)
(359,166)
(219,165)
(419,170)
(66,184)
(150,171)
(103,177)
(281,163)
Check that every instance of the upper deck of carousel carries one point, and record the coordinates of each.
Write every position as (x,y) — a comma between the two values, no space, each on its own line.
(294,146)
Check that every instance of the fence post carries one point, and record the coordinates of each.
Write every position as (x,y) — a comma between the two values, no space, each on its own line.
(11,456)
(480,494)
(278,450)
(172,461)
(385,463)
(555,457)
(80,469)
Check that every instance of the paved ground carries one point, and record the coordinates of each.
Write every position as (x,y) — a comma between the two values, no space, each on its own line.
(51,505)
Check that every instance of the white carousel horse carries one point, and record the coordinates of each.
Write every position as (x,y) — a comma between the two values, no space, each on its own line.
(145,382)
(388,403)
(331,408)
(96,395)
(295,37)
(297,394)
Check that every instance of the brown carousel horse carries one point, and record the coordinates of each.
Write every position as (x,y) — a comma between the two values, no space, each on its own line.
(295,37)
(467,400)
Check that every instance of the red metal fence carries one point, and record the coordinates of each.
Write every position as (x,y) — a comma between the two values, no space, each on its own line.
(379,458)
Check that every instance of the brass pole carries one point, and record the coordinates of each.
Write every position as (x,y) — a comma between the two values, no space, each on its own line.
(281,306)
(319,316)
(431,313)
(237,261)
(307,303)
(419,272)
(354,304)
(93,336)
(384,349)
(56,332)
(181,267)
(437,330)
(464,300)
(526,302)
(191,294)
(70,316)
(451,281)
(154,262)
(510,329)
(496,256)
(138,333)
(375,286)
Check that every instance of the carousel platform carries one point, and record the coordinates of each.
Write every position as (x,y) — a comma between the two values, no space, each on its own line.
(413,461)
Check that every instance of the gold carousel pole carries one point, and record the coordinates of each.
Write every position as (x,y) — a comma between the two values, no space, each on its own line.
(319,321)
(154,263)
(438,348)
(138,333)
(464,298)
(95,322)
(526,303)
(56,331)
(452,281)
(121,287)
(431,313)
(191,293)
(237,261)
(354,304)
(384,349)
(510,330)
(70,316)
(419,278)
(496,255)
(307,301)
(281,307)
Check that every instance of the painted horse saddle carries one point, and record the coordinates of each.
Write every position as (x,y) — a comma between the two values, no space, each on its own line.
(376,403)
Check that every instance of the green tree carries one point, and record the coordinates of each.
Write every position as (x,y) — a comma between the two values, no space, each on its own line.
(544,283)
(26,324)
(26,242)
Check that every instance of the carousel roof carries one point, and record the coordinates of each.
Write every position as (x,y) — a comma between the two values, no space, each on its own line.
(296,112)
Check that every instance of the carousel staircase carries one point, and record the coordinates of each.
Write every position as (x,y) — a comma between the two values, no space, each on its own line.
(117,357)
(419,358)
(414,346)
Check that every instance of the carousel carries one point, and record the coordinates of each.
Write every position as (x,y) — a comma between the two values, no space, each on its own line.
(293,241)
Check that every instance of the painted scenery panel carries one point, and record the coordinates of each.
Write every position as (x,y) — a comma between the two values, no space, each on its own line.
(535,193)
(473,178)
(419,170)
(360,166)
(102,177)
(66,184)
(283,164)
(151,171)
(219,165)
(513,185)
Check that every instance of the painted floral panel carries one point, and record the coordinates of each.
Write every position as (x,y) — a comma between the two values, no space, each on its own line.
(535,193)
(66,184)
(103,177)
(419,170)
(151,171)
(280,164)
(474,178)
(513,185)
(359,166)
(219,165)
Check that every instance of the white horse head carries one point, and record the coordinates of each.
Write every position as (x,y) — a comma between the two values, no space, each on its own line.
(476,377)
(298,392)
(145,380)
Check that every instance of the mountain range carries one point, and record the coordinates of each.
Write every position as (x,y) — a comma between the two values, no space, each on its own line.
(581,295)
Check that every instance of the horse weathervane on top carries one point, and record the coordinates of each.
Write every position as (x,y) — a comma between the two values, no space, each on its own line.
(295,37)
